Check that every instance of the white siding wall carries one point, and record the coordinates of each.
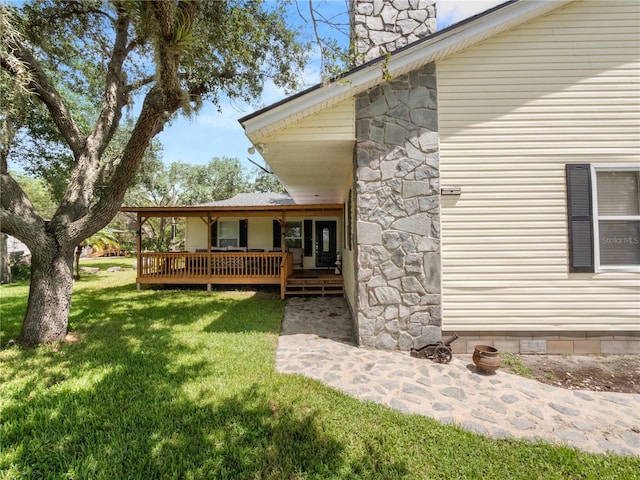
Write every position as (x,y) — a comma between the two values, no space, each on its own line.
(196,234)
(513,111)
(335,123)
(260,232)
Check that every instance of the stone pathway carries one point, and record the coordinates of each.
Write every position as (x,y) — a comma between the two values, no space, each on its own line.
(317,341)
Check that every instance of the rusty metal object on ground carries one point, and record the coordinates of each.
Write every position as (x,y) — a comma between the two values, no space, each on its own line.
(440,352)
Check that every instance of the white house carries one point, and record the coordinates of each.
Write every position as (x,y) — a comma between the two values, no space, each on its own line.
(489,172)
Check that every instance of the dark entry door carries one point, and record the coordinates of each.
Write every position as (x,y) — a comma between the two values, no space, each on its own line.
(326,245)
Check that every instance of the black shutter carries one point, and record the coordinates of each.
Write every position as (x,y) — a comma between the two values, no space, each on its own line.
(580,217)
(244,233)
(308,238)
(214,234)
(277,234)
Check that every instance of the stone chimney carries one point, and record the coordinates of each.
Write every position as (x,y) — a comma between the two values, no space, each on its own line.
(398,301)
(382,26)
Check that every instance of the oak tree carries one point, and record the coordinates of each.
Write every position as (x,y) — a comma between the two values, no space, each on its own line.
(157,58)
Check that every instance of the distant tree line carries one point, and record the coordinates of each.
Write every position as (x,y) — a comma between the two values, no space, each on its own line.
(160,185)
(181,184)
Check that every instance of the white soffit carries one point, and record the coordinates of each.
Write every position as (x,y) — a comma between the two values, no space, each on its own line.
(312,171)
(433,48)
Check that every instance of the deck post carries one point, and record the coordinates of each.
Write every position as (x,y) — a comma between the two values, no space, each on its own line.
(209,261)
(138,248)
(283,277)
(283,232)
(286,269)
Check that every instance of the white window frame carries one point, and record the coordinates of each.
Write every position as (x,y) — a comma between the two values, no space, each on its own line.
(237,233)
(615,167)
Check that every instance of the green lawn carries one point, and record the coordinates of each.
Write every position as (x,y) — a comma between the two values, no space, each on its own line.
(182,384)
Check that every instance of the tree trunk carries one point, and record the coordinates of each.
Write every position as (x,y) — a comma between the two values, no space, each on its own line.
(5,265)
(47,316)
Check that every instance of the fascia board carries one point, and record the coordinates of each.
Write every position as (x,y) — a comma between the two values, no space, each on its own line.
(436,47)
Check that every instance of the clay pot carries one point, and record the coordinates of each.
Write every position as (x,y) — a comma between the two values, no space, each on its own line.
(486,358)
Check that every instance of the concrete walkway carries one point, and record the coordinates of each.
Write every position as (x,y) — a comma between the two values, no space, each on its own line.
(317,341)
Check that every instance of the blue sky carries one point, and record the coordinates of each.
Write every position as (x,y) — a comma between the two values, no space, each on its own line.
(218,134)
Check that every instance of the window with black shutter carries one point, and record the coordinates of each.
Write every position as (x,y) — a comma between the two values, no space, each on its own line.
(604,217)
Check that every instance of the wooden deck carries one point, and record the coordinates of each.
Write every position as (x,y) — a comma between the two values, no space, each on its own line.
(236,268)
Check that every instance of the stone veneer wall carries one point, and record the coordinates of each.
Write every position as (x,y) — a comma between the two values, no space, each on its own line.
(382,26)
(398,213)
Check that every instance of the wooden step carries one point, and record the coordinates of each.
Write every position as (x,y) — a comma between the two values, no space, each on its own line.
(314,286)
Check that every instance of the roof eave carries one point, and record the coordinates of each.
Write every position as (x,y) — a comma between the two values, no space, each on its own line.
(430,49)
(195,211)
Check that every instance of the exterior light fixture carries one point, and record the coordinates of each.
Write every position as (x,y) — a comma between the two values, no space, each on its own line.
(450,191)
(262,148)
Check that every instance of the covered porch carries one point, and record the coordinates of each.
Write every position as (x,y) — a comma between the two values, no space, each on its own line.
(251,261)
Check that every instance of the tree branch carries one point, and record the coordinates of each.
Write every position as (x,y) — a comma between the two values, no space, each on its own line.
(139,83)
(39,83)
(115,89)
(164,98)
(168,53)
(155,112)
(18,217)
(87,174)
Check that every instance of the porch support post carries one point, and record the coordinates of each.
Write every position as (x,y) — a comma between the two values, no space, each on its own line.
(209,250)
(283,231)
(138,249)
(284,274)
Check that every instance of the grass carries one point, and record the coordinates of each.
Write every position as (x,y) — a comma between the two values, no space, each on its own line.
(515,365)
(182,384)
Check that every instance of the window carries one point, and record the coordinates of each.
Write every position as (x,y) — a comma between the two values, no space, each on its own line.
(616,207)
(228,234)
(293,235)
(604,217)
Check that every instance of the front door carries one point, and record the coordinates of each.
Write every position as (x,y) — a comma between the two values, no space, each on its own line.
(326,244)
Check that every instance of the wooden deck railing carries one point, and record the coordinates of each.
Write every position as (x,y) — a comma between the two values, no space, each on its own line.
(213,267)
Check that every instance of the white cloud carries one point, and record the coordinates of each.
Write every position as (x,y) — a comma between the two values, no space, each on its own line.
(452,11)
